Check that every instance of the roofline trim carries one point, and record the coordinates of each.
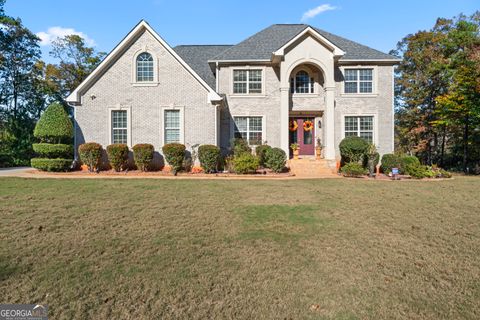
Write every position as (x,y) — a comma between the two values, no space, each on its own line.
(370,60)
(74,97)
(240,60)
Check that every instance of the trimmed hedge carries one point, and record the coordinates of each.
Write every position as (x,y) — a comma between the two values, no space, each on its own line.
(261,152)
(174,154)
(276,159)
(353,149)
(91,155)
(118,156)
(389,161)
(54,125)
(245,163)
(54,165)
(209,156)
(51,150)
(353,169)
(143,155)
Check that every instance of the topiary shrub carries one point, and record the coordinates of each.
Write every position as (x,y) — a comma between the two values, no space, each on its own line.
(50,150)
(239,146)
(91,155)
(174,154)
(276,159)
(353,149)
(353,169)
(54,165)
(261,152)
(209,156)
(118,156)
(245,163)
(407,162)
(54,125)
(143,155)
(389,161)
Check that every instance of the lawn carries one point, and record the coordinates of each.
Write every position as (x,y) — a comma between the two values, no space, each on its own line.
(209,249)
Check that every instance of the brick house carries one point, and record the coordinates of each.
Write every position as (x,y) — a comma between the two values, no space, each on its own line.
(264,89)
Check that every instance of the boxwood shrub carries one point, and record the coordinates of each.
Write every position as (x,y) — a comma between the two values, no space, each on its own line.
(91,155)
(174,154)
(45,164)
(353,149)
(389,161)
(118,156)
(143,155)
(353,169)
(54,125)
(276,159)
(407,162)
(245,163)
(209,156)
(239,146)
(50,150)
(261,152)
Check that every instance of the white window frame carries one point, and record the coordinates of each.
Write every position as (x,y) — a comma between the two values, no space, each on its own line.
(182,123)
(134,69)
(311,86)
(374,92)
(129,123)
(232,125)
(375,125)
(247,68)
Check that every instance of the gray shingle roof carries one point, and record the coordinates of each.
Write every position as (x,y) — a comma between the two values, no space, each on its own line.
(261,45)
(197,56)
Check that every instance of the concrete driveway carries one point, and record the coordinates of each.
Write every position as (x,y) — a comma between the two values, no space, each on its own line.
(14,172)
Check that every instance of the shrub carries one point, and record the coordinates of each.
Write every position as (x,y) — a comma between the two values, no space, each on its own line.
(389,161)
(245,163)
(353,169)
(117,156)
(353,149)
(143,155)
(239,146)
(54,125)
(50,150)
(91,155)
(45,164)
(407,162)
(417,171)
(371,159)
(209,156)
(174,154)
(276,159)
(261,152)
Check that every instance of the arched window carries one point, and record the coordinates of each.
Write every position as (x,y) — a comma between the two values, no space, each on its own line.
(144,67)
(302,83)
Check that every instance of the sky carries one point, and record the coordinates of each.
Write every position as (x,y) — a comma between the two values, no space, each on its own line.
(103,23)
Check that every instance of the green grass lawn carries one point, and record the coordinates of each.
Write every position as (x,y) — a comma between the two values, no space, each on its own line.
(205,249)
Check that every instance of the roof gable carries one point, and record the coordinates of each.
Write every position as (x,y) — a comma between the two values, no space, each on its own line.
(74,97)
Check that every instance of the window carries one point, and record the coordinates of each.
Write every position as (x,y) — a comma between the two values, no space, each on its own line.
(144,67)
(119,126)
(172,126)
(250,129)
(359,126)
(302,83)
(358,80)
(247,81)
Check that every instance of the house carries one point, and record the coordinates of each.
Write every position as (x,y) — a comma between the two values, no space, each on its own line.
(289,83)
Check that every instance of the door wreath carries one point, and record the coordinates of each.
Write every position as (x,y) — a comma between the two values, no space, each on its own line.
(307,125)
(293,125)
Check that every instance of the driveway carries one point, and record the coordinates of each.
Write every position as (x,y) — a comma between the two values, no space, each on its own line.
(14,172)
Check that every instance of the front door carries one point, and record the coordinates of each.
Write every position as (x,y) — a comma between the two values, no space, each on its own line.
(303,133)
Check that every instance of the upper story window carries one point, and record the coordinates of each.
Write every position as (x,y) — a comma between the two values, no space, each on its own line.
(302,83)
(144,67)
(247,81)
(358,80)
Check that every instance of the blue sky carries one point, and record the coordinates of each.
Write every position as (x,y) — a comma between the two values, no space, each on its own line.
(378,24)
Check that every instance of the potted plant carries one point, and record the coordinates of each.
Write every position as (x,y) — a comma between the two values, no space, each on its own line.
(296,149)
(318,149)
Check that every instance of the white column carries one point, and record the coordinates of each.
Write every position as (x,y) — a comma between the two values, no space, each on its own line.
(284,111)
(329,123)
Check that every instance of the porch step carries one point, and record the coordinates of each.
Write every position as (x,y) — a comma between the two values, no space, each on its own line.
(309,167)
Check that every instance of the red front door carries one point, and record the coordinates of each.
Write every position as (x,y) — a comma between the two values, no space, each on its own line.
(304,136)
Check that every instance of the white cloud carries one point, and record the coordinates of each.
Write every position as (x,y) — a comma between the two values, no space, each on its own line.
(53,33)
(316,11)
